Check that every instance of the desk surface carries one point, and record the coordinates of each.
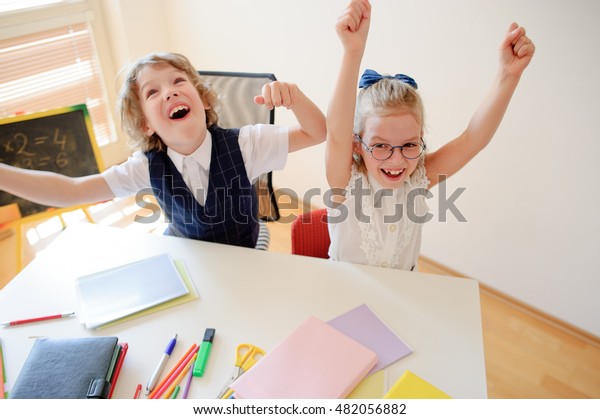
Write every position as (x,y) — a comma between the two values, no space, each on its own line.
(247,296)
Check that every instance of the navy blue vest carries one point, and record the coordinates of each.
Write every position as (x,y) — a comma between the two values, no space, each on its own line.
(230,213)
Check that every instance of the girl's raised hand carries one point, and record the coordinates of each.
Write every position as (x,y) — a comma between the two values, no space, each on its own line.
(352,26)
(516,51)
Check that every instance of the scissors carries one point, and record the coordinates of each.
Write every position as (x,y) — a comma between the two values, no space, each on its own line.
(246,355)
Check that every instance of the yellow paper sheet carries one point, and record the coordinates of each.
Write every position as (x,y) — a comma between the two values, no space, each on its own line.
(411,386)
(371,387)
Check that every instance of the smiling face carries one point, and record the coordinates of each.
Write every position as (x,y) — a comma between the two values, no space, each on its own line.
(395,130)
(172,107)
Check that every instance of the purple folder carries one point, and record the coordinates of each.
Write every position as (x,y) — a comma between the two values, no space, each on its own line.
(363,325)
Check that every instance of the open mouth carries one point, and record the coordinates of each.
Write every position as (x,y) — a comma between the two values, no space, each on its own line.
(392,174)
(179,112)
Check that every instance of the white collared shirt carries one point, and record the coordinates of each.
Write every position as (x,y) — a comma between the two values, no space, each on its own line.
(194,168)
(264,148)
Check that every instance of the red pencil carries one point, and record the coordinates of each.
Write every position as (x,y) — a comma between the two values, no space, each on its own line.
(37,319)
(113,383)
(138,391)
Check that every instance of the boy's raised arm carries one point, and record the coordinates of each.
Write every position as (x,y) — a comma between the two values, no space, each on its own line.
(311,121)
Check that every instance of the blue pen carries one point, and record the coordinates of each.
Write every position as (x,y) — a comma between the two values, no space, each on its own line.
(161,365)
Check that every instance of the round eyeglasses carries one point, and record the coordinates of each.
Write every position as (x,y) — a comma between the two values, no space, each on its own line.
(411,150)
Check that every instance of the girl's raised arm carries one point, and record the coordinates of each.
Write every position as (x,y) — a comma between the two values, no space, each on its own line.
(352,28)
(516,52)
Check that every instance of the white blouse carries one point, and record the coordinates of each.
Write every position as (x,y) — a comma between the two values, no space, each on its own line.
(378,226)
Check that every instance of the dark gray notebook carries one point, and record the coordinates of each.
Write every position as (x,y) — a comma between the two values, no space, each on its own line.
(77,368)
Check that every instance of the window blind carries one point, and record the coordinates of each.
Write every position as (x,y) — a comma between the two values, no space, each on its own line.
(53,69)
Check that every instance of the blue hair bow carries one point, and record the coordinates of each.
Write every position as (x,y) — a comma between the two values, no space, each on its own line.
(371,77)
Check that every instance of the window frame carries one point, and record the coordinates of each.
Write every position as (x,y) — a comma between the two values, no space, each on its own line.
(22,22)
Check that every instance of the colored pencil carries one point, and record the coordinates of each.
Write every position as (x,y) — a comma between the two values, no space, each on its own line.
(177,380)
(174,373)
(2,372)
(188,384)
(37,319)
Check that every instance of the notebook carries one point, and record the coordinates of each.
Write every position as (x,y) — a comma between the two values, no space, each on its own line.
(315,361)
(411,386)
(364,326)
(76,368)
(115,293)
(190,296)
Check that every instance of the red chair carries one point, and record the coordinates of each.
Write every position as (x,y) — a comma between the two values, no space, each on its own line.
(310,236)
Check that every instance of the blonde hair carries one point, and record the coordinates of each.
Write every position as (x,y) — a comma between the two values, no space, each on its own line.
(130,108)
(387,96)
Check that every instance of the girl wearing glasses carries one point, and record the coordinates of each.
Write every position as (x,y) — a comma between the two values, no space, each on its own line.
(376,161)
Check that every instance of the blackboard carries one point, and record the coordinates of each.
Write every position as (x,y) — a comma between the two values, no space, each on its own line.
(61,141)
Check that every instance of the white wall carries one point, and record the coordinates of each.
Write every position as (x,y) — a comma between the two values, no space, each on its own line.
(136,27)
(530,202)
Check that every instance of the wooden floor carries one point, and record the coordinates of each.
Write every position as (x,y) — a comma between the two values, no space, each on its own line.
(528,354)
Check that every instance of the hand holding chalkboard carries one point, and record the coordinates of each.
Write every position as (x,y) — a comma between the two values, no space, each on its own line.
(60,141)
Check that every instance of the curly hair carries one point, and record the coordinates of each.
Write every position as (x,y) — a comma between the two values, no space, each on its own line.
(130,108)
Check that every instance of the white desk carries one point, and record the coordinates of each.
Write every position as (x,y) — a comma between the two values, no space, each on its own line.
(247,296)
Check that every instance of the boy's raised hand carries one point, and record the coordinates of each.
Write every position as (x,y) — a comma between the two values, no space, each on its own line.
(276,94)
(352,26)
(516,51)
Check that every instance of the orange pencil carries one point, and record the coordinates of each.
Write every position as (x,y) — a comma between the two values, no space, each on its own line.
(193,349)
(175,374)
(180,376)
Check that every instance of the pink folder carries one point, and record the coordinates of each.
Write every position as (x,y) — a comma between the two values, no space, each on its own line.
(315,361)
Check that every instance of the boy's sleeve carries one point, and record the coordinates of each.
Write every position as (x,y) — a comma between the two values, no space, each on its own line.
(264,148)
(129,177)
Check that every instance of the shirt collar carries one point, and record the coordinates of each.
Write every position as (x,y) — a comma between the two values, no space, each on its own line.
(201,155)
(376,187)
